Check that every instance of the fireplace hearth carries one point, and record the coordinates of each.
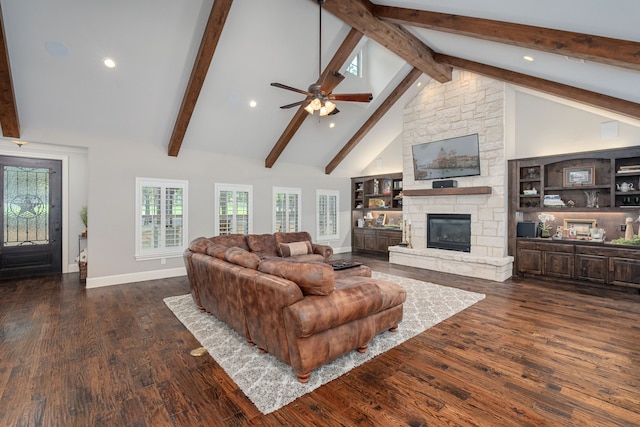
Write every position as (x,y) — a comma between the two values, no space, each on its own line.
(449,232)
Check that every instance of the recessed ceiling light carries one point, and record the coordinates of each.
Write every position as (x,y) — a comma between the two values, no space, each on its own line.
(109,63)
(419,84)
(332,125)
(252,104)
(528,58)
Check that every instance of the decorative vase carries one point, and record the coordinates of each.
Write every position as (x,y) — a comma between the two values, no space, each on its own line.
(545,233)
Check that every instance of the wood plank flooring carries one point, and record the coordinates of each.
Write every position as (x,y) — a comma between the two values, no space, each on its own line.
(530,354)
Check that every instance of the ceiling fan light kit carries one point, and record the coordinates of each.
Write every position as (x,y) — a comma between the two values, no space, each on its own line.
(318,97)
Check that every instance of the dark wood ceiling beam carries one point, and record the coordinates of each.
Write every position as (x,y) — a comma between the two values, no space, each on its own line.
(609,103)
(393,97)
(8,107)
(213,31)
(619,53)
(339,58)
(358,14)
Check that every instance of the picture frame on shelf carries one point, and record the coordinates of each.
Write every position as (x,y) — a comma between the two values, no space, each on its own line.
(386,186)
(582,226)
(380,220)
(577,176)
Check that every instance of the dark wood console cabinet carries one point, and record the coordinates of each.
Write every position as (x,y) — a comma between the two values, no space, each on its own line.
(584,261)
(581,261)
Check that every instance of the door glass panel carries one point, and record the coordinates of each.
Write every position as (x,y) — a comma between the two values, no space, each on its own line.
(26,206)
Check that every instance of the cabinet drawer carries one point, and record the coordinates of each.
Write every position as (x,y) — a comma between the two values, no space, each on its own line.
(541,245)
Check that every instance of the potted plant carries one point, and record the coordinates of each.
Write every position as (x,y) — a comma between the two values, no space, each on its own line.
(83,217)
(545,229)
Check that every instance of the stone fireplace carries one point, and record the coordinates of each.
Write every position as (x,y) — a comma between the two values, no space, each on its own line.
(466,105)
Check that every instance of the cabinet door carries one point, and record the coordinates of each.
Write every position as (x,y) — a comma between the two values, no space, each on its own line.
(358,239)
(370,240)
(593,268)
(530,261)
(558,264)
(624,272)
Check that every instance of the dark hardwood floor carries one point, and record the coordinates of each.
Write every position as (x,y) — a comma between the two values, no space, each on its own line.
(530,354)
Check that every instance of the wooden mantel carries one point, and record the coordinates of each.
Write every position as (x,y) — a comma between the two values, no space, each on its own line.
(454,191)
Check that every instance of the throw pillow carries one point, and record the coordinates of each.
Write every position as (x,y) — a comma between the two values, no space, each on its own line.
(242,258)
(313,278)
(296,248)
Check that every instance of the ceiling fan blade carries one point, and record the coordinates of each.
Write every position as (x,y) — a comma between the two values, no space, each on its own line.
(330,82)
(335,111)
(295,104)
(281,86)
(353,97)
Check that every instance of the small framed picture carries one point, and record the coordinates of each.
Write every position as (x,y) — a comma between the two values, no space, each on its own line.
(579,176)
(582,226)
(380,220)
(386,186)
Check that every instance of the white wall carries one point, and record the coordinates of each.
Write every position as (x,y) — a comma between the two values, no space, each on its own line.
(546,126)
(389,159)
(114,167)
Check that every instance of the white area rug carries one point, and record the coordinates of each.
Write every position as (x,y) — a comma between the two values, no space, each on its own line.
(271,384)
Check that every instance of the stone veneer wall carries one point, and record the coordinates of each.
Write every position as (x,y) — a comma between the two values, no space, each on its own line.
(468,104)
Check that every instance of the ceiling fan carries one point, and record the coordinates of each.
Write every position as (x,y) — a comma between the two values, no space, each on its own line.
(319,94)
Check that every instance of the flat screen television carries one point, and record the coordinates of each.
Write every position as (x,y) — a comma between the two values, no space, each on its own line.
(447,158)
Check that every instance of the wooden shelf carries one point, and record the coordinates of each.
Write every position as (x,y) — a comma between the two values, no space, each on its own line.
(454,191)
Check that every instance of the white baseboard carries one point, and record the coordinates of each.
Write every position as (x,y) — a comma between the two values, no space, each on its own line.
(342,250)
(98,282)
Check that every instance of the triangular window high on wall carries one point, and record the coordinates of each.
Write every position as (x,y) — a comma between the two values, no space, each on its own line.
(355,67)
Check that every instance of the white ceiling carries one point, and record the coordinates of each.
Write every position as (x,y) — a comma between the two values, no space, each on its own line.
(64,93)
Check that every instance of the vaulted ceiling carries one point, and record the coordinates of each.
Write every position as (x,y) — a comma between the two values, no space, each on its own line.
(186,70)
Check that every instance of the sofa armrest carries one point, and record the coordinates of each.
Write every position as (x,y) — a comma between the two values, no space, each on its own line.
(325,250)
(354,298)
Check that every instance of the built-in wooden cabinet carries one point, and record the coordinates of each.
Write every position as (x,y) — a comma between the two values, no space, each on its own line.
(598,187)
(376,212)
(584,261)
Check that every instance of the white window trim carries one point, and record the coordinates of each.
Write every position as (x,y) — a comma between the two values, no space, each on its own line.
(359,55)
(327,193)
(162,252)
(287,191)
(235,188)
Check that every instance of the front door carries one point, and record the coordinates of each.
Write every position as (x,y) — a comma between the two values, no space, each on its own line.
(31,218)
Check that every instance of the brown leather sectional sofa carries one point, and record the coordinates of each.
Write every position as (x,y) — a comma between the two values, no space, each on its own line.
(294,307)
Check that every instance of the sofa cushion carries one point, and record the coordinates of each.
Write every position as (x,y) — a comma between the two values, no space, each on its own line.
(217,251)
(242,258)
(200,245)
(313,278)
(263,245)
(354,298)
(295,248)
(230,240)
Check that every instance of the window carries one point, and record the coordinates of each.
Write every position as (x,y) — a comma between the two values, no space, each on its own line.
(286,209)
(161,218)
(355,67)
(327,213)
(234,209)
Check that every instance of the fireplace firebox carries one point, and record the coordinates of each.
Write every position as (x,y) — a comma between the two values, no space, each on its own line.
(449,231)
